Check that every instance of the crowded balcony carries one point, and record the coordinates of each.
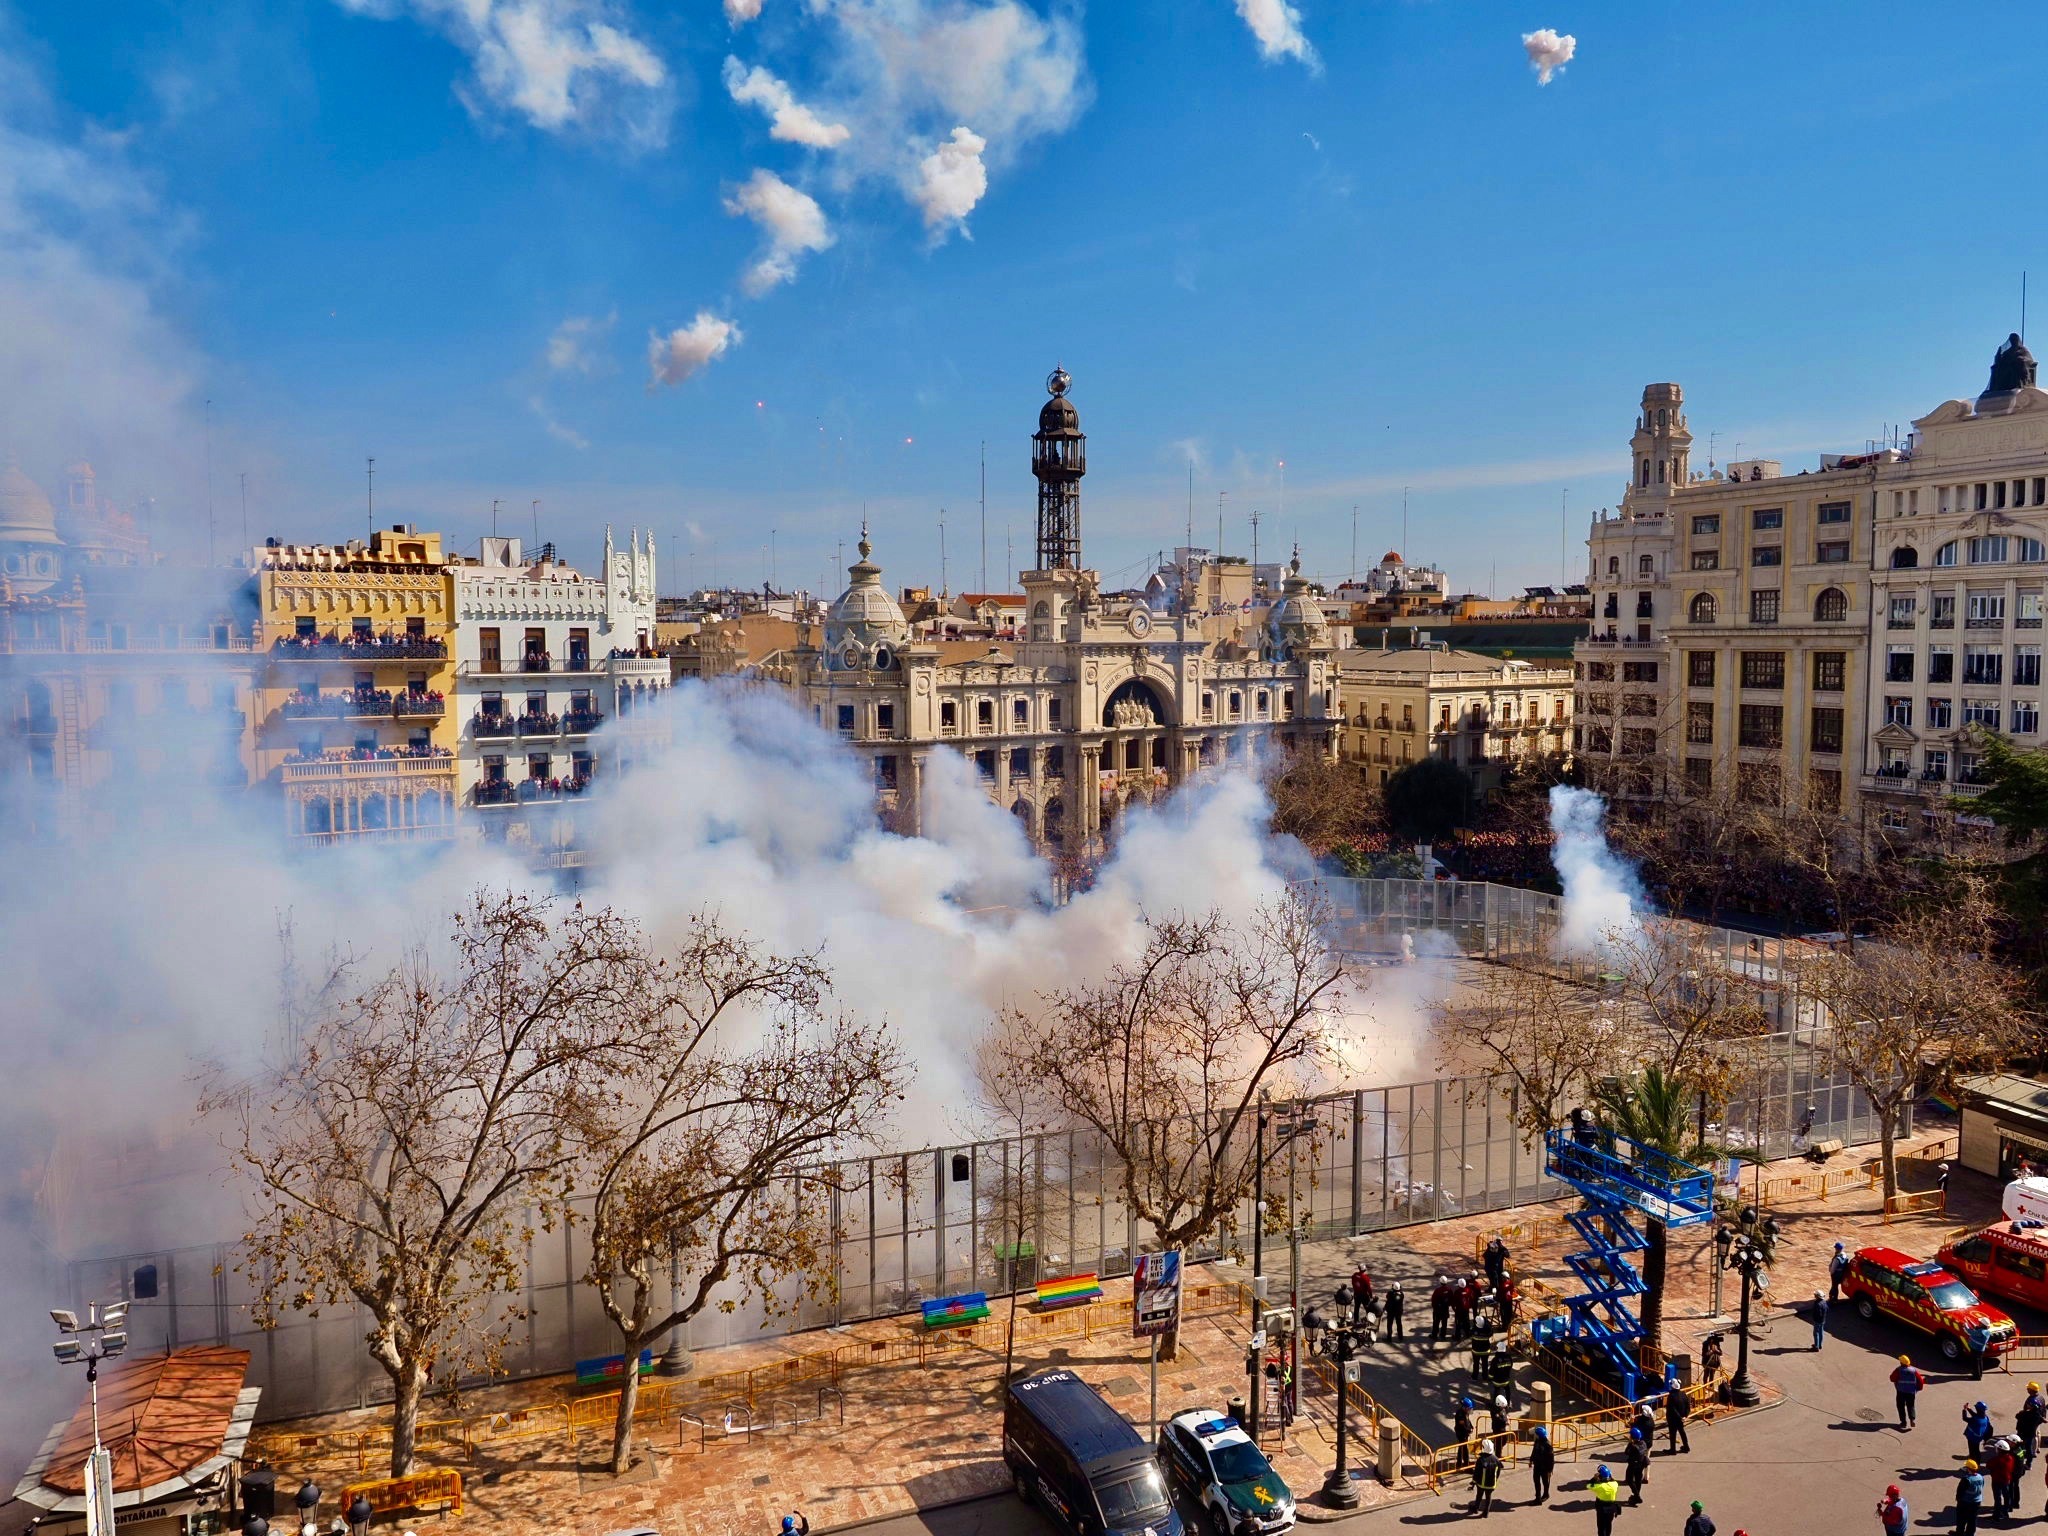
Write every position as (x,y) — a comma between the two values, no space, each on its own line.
(368,762)
(536,723)
(528,791)
(360,646)
(581,722)
(488,725)
(366,704)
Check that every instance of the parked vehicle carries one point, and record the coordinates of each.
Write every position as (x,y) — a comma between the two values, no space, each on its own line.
(1209,1455)
(1081,1461)
(1925,1294)
(2010,1261)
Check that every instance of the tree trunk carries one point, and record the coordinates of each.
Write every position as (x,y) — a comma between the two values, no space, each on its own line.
(629,1399)
(411,1382)
(1169,1344)
(1653,1278)
(1888,1149)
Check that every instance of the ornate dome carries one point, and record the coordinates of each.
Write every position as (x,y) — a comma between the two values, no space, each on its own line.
(26,516)
(865,627)
(1391,557)
(1296,620)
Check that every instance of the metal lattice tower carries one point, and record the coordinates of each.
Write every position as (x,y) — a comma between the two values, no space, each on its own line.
(1059,458)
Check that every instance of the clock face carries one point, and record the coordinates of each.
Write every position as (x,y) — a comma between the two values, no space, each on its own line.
(1140,621)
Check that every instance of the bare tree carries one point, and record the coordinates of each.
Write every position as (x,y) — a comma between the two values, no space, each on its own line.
(398,1155)
(1166,1057)
(1551,1037)
(1923,1003)
(1321,800)
(709,1159)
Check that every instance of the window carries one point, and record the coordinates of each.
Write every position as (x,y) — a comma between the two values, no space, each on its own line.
(1052,713)
(2026,666)
(1940,714)
(949,715)
(1941,611)
(1600,671)
(1699,775)
(1707,523)
(1830,671)
(1941,663)
(488,649)
(1613,608)
(1982,712)
(984,714)
(1905,559)
(1827,729)
(1763,607)
(1699,724)
(1898,664)
(1646,565)
(2026,717)
(1639,671)
(1767,554)
(1055,762)
(1937,764)
(1832,512)
(1824,790)
(1596,704)
(1639,704)
(1987,549)
(1761,725)
(1599,739)
(1701,610)
(2030,551)
(1901,614)
(1983,664)
(2028,615)
(1763,669)
(1757,783)
(885,719)
(2027,1264)
(1706,559)
(845,717)
(1614,565)
(1644,609)
(1946,555)
(1020,762)
(885,773)
(1637,742)
(1020,712)
(985,765)
(1986,611)
(1832,606)
(1832,551)
(1767,517)
(1898,710)
(1699,668)
(1236,702)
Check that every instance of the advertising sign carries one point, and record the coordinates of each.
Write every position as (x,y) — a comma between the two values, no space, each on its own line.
(1155,1294)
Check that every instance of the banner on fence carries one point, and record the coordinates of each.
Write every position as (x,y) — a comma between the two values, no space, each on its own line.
(1155,1294)
(611,1367)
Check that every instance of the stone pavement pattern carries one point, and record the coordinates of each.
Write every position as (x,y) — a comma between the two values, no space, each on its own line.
(916,1437)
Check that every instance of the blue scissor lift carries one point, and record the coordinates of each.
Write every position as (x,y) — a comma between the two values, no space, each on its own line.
(1620,1179)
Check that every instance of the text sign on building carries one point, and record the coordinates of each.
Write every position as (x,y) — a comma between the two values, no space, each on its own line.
(1155,1294)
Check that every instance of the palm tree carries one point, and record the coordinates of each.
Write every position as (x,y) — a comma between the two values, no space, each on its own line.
(1657,1109)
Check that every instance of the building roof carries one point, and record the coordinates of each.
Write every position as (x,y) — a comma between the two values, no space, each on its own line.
(25,512)
(1006,599)
(172,1421)
(1425,661)
(2010,1096)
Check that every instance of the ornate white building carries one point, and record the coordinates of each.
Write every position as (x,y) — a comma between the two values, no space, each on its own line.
(550,668)
(1105,702)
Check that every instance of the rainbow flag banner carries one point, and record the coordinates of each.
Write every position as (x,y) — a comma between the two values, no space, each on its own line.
(1068,1291)
(611,1368)
(955,1311)
(1940,1102)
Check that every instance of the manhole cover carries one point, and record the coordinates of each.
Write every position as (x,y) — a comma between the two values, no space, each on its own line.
(1868,1415)
(1121,1385)
(764,1480)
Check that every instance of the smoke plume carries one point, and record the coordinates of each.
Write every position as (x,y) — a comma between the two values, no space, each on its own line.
(792,221)
(673,358)
(950,181)
(1277,26)
(1602,895)
(1549,51)
(788,119)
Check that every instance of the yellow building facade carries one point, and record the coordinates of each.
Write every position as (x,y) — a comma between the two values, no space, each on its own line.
(353,718)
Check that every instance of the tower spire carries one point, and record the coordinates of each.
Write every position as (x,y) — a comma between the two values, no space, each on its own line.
(1059,458)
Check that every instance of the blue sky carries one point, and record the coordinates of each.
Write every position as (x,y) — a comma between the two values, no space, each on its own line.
(1362,238)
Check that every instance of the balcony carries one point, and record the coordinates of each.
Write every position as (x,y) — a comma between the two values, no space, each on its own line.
(504,792)
(1893,779)
(1940,621)
(539,725)
(491,727)
(1975,622)
(581,722)
(365,704)
(1895,622)
(334,647)
(387,762)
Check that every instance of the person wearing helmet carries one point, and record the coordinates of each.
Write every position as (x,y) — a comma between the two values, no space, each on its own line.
(1461,1431)
(1838,1271)
(1677,1408)
(1699,1522)
(1818,1316)
(1485,1478)
(1440,1308)
(1606,1499)
(2027,1422)
(1892,1512)
(1542,1462)
(1976,1428)
(794,1524)
(1906,1384)
(2003,1469)
(1497,1417)
(1635,1463)
(1396,1329)
(1969,1498)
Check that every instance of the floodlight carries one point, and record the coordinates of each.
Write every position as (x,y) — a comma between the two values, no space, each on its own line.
(68,1321)
(114,1342)
(67,1350)
(115,1315)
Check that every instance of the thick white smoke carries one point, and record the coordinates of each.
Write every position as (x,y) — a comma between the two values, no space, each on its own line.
(688,348)
(1602,894)
(1549,51)
(791,220)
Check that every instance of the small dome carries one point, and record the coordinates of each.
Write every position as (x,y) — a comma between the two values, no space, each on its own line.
(1296,620)
(26,515)
(1391,557)
(864,617)
(1059,415)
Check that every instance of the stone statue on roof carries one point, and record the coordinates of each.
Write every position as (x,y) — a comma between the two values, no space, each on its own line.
(2012,368)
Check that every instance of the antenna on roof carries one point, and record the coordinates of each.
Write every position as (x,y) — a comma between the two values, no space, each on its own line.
(209,482)
(370,494)
(984,520)
(536,523)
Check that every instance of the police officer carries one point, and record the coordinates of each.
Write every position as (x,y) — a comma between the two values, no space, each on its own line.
(1395,1302)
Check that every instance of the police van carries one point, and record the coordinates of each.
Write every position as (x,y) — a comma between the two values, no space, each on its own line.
(1080,1460)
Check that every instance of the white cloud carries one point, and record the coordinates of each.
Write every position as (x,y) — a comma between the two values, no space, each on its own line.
(1277,26)
(789,119)
(740,12)
(1549,51)
(951,180)
(683,351)
(792,221)
(569,347)
(559,64)
(560,431)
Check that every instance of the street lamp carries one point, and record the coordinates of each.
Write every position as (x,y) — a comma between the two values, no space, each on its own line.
(1339,1342)
(1746,1250)
(102,1336)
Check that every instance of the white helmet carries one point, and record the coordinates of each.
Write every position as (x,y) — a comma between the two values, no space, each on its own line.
(1500,1402)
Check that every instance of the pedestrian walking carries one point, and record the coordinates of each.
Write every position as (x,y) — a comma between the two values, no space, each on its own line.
(1542,1462)
(1818,1316)
(1976,1428)
(1500,1372)
(1969,1498)
(1495,1259)
(1906,1384)
(1677,1408)
(1636,1465)
(1838,1270)
(2003,1469)
(1978,1336)
(1941,1182)
(2027,1422)
(1892,1512)
(1396,1329)
(1461,1428)
(1606,1500)
(1361,1292)
(1699,1522)
(1485,1478)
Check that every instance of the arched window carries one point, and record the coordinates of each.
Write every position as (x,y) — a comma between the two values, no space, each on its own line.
(1832,606)
(1614,565)
(1660,471)
(1660,418)
(1702,609)
(1646,565)
(1946,555)
(1905,558)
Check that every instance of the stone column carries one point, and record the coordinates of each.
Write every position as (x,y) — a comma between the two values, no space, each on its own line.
(913,788)
(1088,800)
